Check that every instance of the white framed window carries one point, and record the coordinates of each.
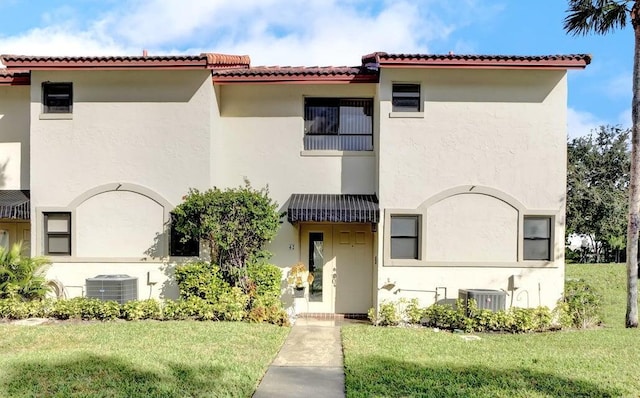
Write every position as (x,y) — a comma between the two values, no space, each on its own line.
(405,236)
(57,233)
(405,97)
(536,243)
(57,97)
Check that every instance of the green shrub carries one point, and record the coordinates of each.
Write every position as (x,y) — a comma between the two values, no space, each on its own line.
(145,309)
(441,317)
(231,305)
(203,281)
(468,319)
(13,308)
(68,309)
(199,309)
(235,223)
(200,279)
(388,314)
(581,305)
(174,311)
(267,279)
(413,312)
(22,276)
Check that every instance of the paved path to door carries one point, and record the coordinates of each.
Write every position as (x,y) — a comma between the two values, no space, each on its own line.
(309,364)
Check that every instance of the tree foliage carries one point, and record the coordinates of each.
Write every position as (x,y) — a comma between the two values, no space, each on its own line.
(235,223)
(597,187)
(602,17)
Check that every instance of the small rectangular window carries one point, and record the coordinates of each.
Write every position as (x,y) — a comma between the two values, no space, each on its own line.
(178,248)
(405,97)
(537,238)
(57,97)
(57,232)
(405,237)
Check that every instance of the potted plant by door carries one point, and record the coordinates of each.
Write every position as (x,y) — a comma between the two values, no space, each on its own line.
(298,277)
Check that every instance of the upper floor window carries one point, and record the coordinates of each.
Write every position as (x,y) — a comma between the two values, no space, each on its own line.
(57,233)
(57,97)
(537,238)
(405,97)
(342,124)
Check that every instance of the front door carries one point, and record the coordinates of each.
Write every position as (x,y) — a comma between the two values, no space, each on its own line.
(13,232)
(340,257)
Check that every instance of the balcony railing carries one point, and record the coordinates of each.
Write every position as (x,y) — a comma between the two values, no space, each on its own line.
(342,142)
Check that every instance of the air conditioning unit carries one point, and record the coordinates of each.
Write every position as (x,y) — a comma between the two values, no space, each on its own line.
(120,288)
(486,299)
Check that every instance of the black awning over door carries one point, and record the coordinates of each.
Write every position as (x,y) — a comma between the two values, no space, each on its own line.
(333,208)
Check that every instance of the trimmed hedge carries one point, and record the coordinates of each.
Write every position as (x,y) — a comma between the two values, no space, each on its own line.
(471,319)
(83,308)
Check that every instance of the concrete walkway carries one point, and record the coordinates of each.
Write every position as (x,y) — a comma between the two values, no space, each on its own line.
(310,362)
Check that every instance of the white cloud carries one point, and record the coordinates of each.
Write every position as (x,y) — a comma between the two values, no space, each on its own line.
(580,123)
(285,32)
(57,40)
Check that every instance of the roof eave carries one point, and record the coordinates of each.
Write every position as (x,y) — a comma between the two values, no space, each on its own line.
(15,79)
(294,79)
(103,66)
(471,64)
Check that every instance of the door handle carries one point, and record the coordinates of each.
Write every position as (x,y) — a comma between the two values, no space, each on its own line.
(334,277)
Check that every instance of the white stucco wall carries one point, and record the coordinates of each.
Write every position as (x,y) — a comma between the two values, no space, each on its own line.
(14,137)
(147,131)
(126,223)
(501,130)
(259,136)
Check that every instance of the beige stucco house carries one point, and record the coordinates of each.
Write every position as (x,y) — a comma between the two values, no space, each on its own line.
(407,176)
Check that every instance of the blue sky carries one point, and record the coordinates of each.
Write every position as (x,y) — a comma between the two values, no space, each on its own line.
(330,32)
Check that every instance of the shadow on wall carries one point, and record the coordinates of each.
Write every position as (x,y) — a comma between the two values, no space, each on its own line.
(157,249)
(377,376)
(92,375)
(169,289)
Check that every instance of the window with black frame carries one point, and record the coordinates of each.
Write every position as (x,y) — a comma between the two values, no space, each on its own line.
(57,97)
(342,124)
(537,238)
(405,97)
(57,233)
(188,248)
(405,237)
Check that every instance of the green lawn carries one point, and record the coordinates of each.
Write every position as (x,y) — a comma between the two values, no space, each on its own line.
(136,359)
(406,362)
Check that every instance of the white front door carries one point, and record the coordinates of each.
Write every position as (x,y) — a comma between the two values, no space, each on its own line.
(340,257)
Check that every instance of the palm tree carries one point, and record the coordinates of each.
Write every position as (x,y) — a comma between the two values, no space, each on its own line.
(601,17)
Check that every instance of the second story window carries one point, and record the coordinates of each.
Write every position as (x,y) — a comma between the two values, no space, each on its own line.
(341,124)
(405,97)
(57,97)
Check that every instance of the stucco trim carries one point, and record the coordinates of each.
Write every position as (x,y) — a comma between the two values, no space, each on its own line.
(473,189)
(56,116)
(124,186)
(79,200)
(406,115)
(387,238)
(521,209)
